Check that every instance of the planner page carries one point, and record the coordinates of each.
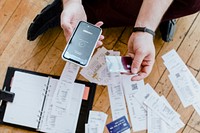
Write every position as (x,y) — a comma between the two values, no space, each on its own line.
(29,92)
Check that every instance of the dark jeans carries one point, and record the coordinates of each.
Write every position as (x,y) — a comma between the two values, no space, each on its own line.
(124,12)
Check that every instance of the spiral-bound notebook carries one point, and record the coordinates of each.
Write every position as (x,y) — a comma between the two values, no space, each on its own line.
(32,101)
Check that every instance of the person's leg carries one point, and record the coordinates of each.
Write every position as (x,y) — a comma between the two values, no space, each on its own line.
(180,8)
(112,12)
(124,12)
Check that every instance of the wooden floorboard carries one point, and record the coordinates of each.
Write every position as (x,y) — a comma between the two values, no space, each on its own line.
(44,55)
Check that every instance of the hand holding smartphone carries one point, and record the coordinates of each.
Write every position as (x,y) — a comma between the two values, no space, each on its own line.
(82,43)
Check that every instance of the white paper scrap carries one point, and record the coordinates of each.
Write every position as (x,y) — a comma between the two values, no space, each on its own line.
(67,122)
(116,96)
(183,88)
(97,121)
(156,124)
(137,112)
(185,84)
(157,105)
(143,93)
(62,96)
(97,71)
(197,107)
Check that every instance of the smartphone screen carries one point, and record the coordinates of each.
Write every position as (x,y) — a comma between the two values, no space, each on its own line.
(82,43)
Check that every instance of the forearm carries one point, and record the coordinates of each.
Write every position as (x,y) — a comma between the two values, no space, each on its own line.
(151,13)
(65,1)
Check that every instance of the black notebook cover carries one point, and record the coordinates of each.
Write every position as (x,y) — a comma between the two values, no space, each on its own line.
(86,105)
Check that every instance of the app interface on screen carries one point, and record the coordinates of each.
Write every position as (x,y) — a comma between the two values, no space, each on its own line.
(83,43)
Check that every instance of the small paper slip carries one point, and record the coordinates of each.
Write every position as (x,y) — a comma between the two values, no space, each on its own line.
(93,128)
(184,83)
(97,71)
(161,108)
(116,96)
(197,107)
(62,96)
(183,88)
(143,93)
(137,112)
(156,124)
(175,64)
(167,103)
(131,86)
(67,122)
(118,63)
(118,126)
(96,122)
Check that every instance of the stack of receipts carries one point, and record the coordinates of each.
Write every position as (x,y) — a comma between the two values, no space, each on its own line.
(97,71)
(64,105)
(184,83)
(147,110)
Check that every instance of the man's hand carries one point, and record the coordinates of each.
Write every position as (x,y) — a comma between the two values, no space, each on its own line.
(141,49)
(72,13)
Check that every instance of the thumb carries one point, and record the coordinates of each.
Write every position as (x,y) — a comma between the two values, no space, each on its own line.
(99,24)
(68,29)
(137,61)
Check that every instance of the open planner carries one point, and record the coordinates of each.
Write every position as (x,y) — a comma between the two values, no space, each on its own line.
(32,103)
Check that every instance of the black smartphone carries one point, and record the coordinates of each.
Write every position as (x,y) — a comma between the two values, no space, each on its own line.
(82,43)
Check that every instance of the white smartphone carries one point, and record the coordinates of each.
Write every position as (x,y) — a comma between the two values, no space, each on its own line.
(82,43)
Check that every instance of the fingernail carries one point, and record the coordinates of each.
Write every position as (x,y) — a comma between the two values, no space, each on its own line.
(134,70)
(132,79)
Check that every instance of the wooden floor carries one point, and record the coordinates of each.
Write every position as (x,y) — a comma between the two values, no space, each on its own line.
(44,55)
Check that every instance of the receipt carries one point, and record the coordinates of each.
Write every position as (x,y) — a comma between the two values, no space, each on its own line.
(143,93)
(184,83)
(137,112)
(131,86)
(93,128)
(163,110)
(157,125)
(116,96)
(62,96)
(96,62)
(154,122)
(96,122)
(197,107)
(183,88)
(67,122)
(97,71)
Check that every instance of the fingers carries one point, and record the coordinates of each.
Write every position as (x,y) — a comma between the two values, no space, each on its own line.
(99,24)
(68,29)
(99,43)
(101,37)
(137,61)
(145,71)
